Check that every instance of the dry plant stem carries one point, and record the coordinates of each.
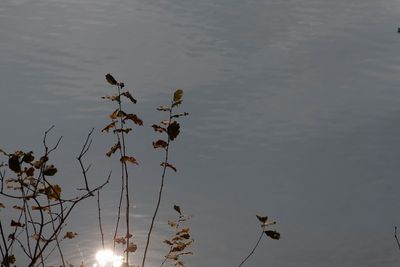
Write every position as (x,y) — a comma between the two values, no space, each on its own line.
(171,246)
(99,212)
(159,194)
(255,247)
(395,236)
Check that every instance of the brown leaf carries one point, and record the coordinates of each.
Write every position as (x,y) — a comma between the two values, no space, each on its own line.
(173,130)
(70,235)
(110,79)
(262,219)
(14,164)
(163,108)
(133,118)
(180,115)
(126,130)
(16,224)
(18,207)
(168,242)
(166,164)
(44,208)
(158,128)
(129,96)
(120,240)
(28,157)
(113,149)
(178,95)
(2,205)
(129,159)
(160,144)
(131,247)
(177,209)
(30,171)
(108,127)
(177,103)
(50,170)
(112,97)
(53,192)
(117,114)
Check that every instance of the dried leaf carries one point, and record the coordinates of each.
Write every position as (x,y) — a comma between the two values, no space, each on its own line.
(110,79)
(108,127)
(163,108)
(120,240)
(11,259)
(70,235)
(30,171)
(16,224)
(28,157)
(14,164)
(117,114)
(129,96)
(178,95)
(18,207)
(113,149)
(44,208)
(180,115)
(2,205)
(133,118)
(177,209)
(262,219)
(166,164)
(53,192)
(126,130)
(160,144)
(168,242)
(112,97)
(129,159)
(177,103)
(273,234)
(173,130)
(158,128)
(131,247)
(50,170)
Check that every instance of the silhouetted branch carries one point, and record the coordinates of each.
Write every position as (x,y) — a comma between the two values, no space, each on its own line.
(395,236)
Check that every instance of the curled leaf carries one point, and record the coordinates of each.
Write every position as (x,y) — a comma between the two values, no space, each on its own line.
(177,209)
(113,149)
(16,224)
(166,164)
(108,127)
(129,159)
(110,79)
(262,219)
(160,144)
(131,247)
(163,108)
(273,234)
(158,128)
(180,115)
(129,96)
(50,170)
(134,118)
(28,157)
(2,205)
(70,235)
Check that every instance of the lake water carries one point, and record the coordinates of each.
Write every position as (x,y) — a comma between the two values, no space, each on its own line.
(294,113)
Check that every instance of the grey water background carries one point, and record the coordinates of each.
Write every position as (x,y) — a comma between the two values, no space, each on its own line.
(294,113)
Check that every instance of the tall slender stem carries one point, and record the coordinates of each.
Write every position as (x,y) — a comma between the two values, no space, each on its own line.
(255,247)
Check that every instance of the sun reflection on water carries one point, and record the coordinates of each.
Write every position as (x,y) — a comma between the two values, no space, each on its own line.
(106,258)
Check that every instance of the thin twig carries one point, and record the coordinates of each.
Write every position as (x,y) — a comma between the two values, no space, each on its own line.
(252,251)
(159,193)
(395,236)
(99,212)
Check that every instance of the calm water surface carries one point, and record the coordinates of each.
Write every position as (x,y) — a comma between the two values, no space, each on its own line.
(295,113)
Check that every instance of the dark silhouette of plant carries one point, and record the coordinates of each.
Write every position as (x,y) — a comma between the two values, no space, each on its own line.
(396,237)
(171,129)
(271,233)
(180,241)
(119,118)
(40,210)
